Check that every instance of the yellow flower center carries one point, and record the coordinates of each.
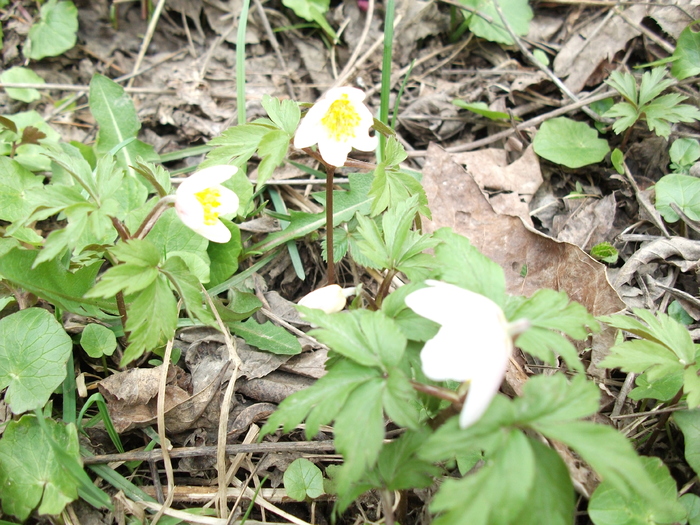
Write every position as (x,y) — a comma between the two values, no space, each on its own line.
(210,199)
(341,119)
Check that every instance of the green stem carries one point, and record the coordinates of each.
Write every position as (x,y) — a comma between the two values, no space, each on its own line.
(384,287)
(386,69)
(330,274)
(387,506)
(240,62)
(153,216)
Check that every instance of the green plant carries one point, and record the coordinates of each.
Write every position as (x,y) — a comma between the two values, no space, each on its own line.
(55,32)
(645,102)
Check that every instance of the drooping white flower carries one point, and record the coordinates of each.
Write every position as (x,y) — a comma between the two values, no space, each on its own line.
(330,299)
(473,343)
(201,199)
(338,122)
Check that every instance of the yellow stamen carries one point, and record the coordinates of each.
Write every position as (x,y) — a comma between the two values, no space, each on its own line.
(341,120)
(210,199)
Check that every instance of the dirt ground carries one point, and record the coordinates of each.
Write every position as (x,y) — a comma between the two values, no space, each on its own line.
(520,210)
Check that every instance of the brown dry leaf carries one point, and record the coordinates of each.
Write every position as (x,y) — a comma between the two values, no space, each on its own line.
(675,18)
(587,222)
(456,201)
(598,41)
(419,19)
(274,387)
(679,251)
(132,396)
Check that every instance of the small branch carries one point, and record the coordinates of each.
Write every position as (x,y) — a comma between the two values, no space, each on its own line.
(122,230)
(384,287)
(121,306)
(153,216)
(437,391)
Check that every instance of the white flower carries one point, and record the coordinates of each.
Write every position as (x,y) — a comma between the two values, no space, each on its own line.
(201,199)
(338,122)
(330,299)
(473,343)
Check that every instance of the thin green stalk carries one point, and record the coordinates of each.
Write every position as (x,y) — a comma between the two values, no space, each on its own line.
(240,62)
(69,388)
(330,274)
(386,69)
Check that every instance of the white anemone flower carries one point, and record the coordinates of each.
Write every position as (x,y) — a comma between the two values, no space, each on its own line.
(473,343)
(338,122)
(330,299)
(201,199)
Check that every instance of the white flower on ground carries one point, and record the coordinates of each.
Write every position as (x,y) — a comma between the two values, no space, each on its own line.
(330,299)
(473,343)
(201,199)
(338,122)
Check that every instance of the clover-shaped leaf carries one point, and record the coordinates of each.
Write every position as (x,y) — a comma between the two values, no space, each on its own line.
(303,479)
(34,349)
(570,143)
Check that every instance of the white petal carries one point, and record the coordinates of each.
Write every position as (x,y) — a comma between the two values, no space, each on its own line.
(483,388)
(333,152)
(190,210)
(329,298)
(216,232)
(206,178)
(365,142)
(229,201)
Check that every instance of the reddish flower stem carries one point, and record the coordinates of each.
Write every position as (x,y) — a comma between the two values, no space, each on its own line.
(330,274)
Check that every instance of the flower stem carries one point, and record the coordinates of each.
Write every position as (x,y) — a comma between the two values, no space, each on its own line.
(330,274)
(384,287)
(153,216)
(387,506)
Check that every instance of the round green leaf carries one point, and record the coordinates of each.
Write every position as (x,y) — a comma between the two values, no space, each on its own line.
(34,350)
(687,54)
(684,191)
(302,478)
(98,340)
(31,474)
(55,32)
(569,143)
(21,75)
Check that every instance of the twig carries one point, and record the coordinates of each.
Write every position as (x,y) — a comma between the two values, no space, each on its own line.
(523,125)
(147,39)
(275,46)
(345,73)
(71,87)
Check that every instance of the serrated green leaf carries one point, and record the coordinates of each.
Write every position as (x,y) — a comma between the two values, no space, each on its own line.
(116,117)
(400,400)
(139,252)
(625,84)
(31,475)
(55,33)
(490,27)
(390,187)
(398,466)
(303,479)
(98,340)
(462,264)
(31,156)
(652,85)
(605,252)
(368,338)
(273,150)
(21,75)
(172,237)
(151,319)
(34,350)
(313,11)
(570,143)
(16,184)
(267,336)
(686,54)
(664,388)
(188,288)
(284,113)
(496,493)
(54,283)
(127,278)
(235,145)
(548,399)
(609,507)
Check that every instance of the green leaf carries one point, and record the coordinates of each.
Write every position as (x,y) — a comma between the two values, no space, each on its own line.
(138,252)
(605,252)
(346,204)
(609,453)
(460,263)
(267,336)
(682,190)
(313,11)
(481,108)
(235,145)
(31,474)
(273,150)
(390,187)
(618,161)
(188,288)
(684,153)
(610,507)
(21,75)
(54,283)
(678,313)
(16,185)
(691,502)
(55,32)
(303,479)
(666,110)
(132,276)
(497,493)
(34,350)
(625,84)
(552,499)
(31,156)
(686,54)
(689,423)
(151,319)
(652,85)
(398,466)
(626,115)
(663,388)
(570,143)
(490,27)
(550,313)
(549,399)
(368,338)
(98,340)
(284,113)
(116,117)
